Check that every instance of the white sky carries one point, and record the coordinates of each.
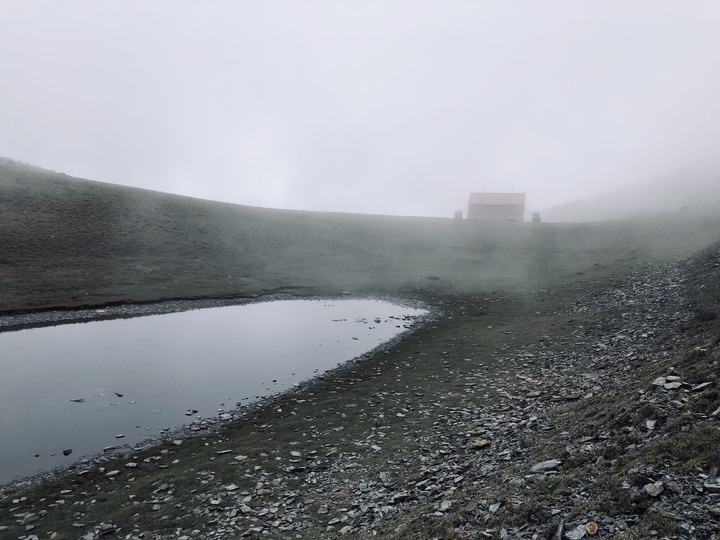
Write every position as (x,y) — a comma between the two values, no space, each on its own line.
(393,107)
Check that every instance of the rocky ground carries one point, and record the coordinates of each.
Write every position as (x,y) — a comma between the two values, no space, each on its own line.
(565,390)
(597,419)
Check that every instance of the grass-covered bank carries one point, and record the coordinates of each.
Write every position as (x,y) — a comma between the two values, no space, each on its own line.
(556,344)
(69,242)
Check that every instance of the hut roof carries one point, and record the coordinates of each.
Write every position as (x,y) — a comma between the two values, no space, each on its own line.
(498,199)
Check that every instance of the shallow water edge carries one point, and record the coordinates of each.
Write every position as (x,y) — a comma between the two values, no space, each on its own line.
(11,322)
(210,423)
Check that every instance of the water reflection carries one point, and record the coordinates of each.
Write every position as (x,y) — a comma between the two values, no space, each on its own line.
(89,386)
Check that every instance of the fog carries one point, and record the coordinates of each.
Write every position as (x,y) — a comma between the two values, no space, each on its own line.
(390,107)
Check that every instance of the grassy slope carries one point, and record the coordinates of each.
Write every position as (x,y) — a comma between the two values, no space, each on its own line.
(104,243)
(101,242)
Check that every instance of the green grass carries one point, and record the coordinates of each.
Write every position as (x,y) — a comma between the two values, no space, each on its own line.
(69,242)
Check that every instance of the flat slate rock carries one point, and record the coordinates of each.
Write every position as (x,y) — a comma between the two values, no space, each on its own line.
(544,466)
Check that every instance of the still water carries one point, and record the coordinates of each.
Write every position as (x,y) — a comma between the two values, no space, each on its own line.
(85,387)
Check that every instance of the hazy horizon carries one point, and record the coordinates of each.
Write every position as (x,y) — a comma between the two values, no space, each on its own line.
(391,107)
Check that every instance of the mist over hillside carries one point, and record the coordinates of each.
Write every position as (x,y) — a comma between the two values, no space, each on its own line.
(696,191)
(569,322)
(70,242)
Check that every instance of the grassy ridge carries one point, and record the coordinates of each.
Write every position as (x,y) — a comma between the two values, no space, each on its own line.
(68,242)
(101,243)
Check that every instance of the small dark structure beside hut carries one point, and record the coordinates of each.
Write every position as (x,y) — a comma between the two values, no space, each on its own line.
(497,206)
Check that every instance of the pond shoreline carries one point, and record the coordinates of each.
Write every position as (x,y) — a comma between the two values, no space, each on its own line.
(11,321)
(209,424)
(24,320)
(504,417)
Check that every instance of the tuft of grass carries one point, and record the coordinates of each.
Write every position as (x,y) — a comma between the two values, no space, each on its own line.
(427,526)
(698,446)
(646,412)
(559,485)
(611,497)
(654,523)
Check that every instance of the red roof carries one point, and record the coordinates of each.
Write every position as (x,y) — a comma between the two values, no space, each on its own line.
(499,199)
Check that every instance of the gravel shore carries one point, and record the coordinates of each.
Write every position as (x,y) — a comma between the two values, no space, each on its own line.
(563,429)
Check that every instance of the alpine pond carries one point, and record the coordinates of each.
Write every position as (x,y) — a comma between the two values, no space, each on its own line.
(73,390)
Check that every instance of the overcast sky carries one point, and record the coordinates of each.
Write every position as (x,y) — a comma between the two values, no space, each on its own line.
(392,107)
